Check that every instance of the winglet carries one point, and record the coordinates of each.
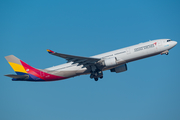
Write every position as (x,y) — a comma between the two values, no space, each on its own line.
(50,51)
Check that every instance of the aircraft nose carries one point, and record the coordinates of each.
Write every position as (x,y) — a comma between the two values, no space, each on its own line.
(174,43)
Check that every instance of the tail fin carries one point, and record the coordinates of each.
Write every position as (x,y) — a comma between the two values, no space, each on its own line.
(16,64)
(27,73)
(23,70)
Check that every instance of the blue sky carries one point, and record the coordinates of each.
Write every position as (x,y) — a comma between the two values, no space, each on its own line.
(148,90)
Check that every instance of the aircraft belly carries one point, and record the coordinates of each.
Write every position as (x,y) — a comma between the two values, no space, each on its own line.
(142,56)
(70,73)
(65,73)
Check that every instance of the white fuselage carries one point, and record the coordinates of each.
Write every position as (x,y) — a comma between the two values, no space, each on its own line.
(122,56)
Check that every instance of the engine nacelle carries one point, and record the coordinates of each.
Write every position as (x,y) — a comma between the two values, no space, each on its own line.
(110,62)
(119,69)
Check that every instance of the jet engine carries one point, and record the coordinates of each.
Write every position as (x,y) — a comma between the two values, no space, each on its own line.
(110,62)
(119,69)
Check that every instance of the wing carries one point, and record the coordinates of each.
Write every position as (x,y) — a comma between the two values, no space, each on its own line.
(85,61)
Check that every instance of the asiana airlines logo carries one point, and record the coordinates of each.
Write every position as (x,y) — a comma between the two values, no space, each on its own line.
(145,47)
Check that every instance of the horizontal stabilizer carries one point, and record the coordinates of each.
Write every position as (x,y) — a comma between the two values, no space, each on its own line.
(18,77)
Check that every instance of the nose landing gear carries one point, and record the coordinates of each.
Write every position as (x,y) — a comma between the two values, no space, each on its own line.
(165,52)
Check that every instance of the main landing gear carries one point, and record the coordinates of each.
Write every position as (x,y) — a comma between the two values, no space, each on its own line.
(96,79)
(96,73)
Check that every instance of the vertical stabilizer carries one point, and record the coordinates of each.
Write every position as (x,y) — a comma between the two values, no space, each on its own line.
(16,64)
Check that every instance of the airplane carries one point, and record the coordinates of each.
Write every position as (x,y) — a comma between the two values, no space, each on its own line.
(115,61)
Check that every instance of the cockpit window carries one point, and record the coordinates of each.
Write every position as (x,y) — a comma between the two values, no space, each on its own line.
(168,40)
